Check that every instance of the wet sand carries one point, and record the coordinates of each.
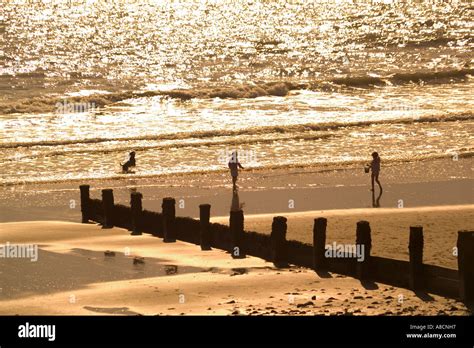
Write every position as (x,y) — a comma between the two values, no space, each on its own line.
(414,184)
(74,276)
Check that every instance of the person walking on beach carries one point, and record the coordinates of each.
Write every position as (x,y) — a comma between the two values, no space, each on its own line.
(234,166)
(375,168)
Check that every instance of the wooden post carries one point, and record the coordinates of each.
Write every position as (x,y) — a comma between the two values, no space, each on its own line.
(363,238)
(85,203)
(236,225)
(205,231)
(108,204)
(169,217)
(137,209)
(158,226)
(465,247)
(278,238)
(415,249)
(319,244)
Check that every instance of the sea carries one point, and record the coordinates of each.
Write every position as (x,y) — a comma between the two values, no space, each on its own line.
(185,83)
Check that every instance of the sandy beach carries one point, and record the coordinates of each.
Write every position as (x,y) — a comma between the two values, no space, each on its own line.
(439,195)
(412,184)
(168,159)
(74,276)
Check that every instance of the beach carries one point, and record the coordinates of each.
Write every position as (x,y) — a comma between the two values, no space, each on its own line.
(438,195)
(303,91)
(177,279)
(261,190)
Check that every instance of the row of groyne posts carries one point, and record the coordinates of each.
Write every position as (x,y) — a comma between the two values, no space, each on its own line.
(276,248)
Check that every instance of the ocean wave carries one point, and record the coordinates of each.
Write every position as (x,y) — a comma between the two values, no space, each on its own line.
(420,43)
(251,90)
(53,104)
(181,144)
(284,129)
(403,78)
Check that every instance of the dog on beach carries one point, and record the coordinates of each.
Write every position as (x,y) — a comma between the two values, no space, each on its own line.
(129,163)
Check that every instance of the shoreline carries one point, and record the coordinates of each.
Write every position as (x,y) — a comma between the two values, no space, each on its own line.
(312,167)
(425,183)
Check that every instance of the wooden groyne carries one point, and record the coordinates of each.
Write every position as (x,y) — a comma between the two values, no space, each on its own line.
(274,247)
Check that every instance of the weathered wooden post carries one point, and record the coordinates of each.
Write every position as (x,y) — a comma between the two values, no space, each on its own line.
(158,225)
(415,249)
(169,217)
(465,247)
(205,231)
(137,209)
(236,224)
(85,203)
(108,205)
(364,242)
(278,238)
(319,244)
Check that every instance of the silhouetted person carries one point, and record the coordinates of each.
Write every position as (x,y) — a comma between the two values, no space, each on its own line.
(375,169)
(129,163)
(234,166)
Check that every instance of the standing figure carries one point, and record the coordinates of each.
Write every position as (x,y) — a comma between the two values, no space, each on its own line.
(375,168)
(234,166)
